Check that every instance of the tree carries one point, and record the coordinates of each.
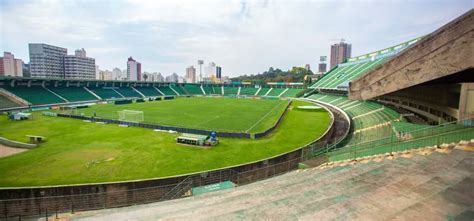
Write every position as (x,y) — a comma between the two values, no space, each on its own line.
(145,76)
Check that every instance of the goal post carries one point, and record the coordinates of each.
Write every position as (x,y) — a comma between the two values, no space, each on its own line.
(131,115)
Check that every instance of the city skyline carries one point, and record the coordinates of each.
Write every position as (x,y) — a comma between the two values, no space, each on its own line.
(280,34)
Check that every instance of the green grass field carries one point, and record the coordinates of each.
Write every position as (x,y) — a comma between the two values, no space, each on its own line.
(79,152)
(219,114)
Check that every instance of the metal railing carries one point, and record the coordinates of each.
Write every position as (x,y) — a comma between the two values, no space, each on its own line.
(119,196)
(411,139)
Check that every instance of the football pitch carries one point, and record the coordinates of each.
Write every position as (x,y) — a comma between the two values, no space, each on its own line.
(78,152)
(219,114)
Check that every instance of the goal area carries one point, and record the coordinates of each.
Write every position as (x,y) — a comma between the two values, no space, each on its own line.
(131,115)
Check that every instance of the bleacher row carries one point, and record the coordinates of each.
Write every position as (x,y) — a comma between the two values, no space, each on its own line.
(379,129)
(371,120)
(39,95)
(343,74)
(339,77)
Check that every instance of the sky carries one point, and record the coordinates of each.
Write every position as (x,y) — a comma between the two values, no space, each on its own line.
(243,37)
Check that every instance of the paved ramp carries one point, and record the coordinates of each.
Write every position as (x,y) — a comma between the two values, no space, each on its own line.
(439,186)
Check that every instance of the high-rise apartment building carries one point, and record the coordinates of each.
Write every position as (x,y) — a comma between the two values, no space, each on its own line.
(134,70)
(117,74)
(159,78)
(339,53)
(19,68)
(218,72)
(211,70)
(190,74)
(46,61)
(80,53)
(79,66)
(10,66)
(105,75)
(97,72)
(172,78)
(322,66)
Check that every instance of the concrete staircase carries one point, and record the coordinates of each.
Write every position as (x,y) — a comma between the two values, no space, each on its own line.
(426,185)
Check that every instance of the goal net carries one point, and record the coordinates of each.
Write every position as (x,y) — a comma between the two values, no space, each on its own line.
(131,115)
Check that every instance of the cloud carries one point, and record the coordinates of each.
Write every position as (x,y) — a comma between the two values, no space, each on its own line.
(244,37)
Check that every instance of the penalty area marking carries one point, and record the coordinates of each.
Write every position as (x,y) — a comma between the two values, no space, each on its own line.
(265,116)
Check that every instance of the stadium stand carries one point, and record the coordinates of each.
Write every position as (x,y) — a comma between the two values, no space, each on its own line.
(73,93)
(178,89)
(148,91)
(127,91)
(434,186)
(379,129)
(212,89)
(248,91)
(275,92)
(291,92)
(218,89)
(7,103)
(104,92)
(339,77)
(208,89)
(166,90)
(193,89)
(263,91)
(371,120)
(36,95)
(231,90)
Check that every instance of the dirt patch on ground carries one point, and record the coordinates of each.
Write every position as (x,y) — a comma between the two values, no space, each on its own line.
(7,151)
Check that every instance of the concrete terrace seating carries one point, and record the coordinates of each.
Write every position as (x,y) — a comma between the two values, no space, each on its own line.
(179,89)
(364,113)
(263,91)
(344,73)
(291,92)
(370,119)
(275,92)
(7,103)
(208,89)
(193,89)
(167,90)
(73,93)
(36,95)
(127,92)
(148,91)
(417,139)
(230,90)
(433,187)
(378,129)
(248,91)
(104,93)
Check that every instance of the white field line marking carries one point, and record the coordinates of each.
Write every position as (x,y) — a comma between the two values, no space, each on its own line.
(207,121)
(269,112)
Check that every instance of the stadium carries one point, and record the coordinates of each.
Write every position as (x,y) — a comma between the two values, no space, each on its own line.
(327,149)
